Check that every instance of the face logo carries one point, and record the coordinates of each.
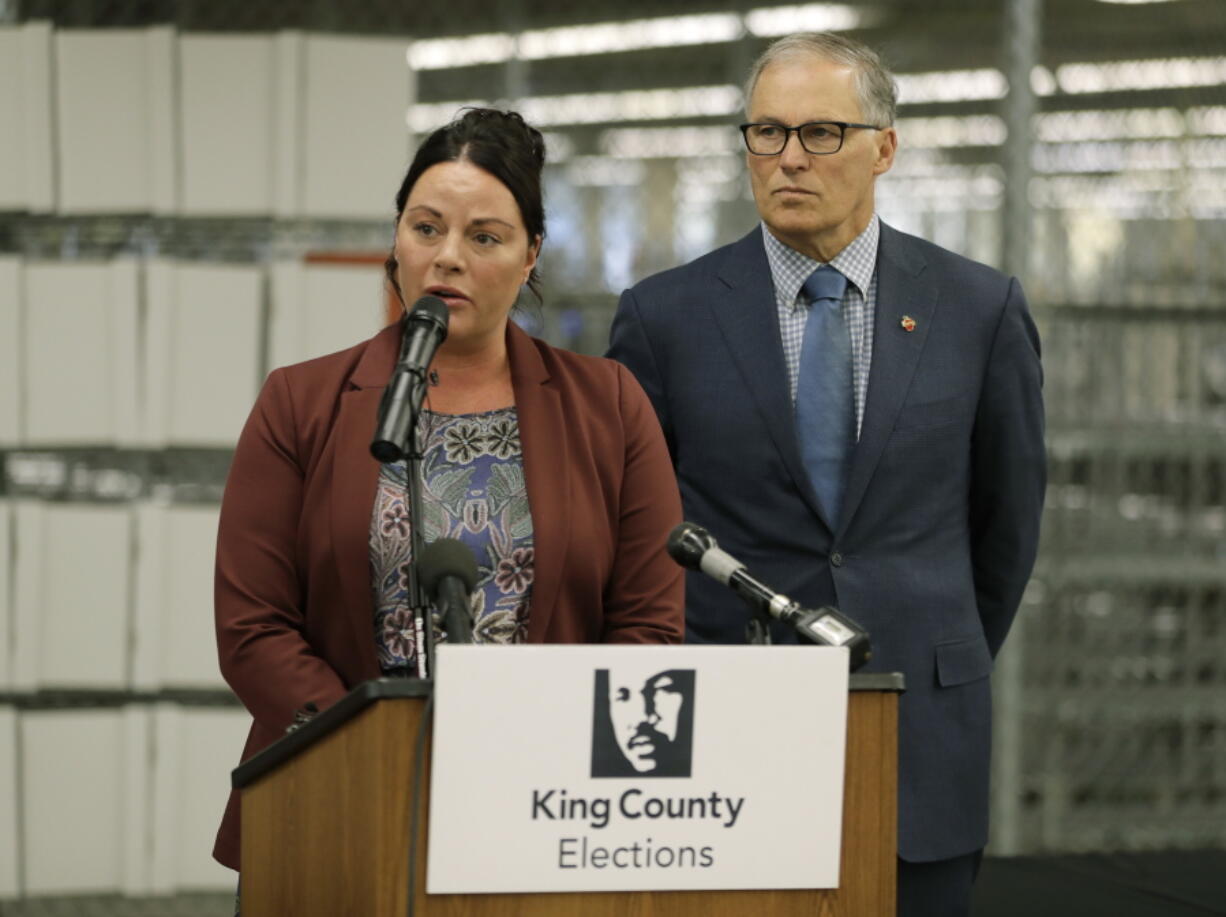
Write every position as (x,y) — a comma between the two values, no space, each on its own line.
(643,723)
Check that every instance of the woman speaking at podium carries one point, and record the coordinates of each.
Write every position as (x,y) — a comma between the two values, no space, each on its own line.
(549,466)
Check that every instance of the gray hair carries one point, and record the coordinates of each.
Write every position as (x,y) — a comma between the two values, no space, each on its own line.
(874,83)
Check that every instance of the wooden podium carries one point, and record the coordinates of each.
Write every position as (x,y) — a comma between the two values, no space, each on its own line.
(327,809)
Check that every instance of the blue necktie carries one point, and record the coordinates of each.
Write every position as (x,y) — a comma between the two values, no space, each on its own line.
(825,425)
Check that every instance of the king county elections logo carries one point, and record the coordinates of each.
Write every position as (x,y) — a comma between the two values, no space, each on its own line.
(643,727)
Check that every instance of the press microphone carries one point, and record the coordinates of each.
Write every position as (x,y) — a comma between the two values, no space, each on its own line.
(425,328)
(694,548)
(448,573)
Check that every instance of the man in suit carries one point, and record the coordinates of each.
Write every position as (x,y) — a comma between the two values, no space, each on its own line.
(857,415)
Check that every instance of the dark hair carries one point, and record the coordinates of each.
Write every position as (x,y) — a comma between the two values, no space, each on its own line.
(501,143)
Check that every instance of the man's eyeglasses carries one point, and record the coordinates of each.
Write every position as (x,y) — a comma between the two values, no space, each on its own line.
(820,137)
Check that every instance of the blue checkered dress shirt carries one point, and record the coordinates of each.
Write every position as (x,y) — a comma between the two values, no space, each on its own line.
(858,263)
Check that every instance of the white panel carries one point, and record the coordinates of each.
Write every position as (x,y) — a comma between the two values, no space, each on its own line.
(125,332)
(356,139)
(195,750)
(12,140)
(167,787)
(8,803)
(38,168)
(290,74)
(69,329)
(135,834)
(103,117)
(84,612)
(344,305)
(215,367)
(318,310)
(29,524)
(160,287)
(6,594)
(286,294)
(73,801)
(148,617)
(10,350)
(226,96)
(211,742)
(189,656)
(164,163)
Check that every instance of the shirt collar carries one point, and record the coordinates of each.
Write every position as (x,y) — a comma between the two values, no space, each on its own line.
(790,269)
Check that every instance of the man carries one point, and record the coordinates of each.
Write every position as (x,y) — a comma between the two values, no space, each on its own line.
(868,435)
(649,727)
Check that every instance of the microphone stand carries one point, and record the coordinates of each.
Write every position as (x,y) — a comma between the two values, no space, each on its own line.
(411,450)
(757,631)
(423,624)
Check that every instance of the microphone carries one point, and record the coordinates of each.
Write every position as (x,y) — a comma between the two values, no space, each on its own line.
(694,548)
(448,573)
(425,328)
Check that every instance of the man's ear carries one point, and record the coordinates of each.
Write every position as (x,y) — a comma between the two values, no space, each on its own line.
(887,146)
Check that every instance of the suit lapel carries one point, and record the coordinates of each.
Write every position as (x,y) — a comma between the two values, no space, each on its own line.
(901,291)
(745,311)
(546,457)
(355,475)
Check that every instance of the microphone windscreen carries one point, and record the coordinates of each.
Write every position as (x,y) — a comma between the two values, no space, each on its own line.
(446,557)
(430,309)
(687,543)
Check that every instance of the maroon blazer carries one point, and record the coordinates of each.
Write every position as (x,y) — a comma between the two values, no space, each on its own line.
(293,601)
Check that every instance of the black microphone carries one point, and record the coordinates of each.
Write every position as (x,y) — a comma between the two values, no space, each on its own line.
(448,573)
(425,328)
(693,547)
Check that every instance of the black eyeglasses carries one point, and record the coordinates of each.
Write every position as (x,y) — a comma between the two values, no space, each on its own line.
(820,137)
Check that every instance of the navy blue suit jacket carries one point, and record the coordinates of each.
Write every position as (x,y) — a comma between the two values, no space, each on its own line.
(940,515)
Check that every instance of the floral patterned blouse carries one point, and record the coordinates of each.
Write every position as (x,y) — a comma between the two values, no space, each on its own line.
(473,490)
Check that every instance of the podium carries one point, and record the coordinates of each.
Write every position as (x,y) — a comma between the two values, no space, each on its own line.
(327,813)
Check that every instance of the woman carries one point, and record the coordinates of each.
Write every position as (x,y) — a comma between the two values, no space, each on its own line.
(551,466)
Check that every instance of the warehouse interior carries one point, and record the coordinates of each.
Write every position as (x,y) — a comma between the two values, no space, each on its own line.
(183,181)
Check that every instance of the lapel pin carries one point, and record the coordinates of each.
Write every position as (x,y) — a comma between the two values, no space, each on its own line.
(908,323)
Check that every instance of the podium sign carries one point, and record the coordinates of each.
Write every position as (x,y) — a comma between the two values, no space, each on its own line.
(628,768)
